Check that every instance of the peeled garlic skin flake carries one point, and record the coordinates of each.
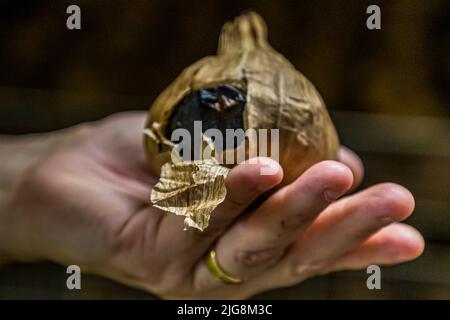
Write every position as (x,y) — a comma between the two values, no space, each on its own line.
(276,96)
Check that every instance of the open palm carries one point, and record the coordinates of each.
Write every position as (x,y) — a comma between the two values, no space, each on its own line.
(87,203)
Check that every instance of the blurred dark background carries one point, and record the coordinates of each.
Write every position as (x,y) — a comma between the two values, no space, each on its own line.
(387,90)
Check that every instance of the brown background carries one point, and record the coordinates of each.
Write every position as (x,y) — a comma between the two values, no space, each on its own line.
(387,90)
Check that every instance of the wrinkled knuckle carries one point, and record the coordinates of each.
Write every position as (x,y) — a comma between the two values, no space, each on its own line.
(252,258)
(377,218)
(378,215)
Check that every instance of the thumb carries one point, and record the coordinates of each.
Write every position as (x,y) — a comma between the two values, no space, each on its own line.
(244,184)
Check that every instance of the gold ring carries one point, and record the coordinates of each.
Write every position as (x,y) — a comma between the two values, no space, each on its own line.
(216,270)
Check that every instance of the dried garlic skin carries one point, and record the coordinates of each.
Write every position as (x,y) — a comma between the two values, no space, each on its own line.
(277,96)
(191,189)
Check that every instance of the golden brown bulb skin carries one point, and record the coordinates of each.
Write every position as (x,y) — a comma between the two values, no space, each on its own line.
(277,96)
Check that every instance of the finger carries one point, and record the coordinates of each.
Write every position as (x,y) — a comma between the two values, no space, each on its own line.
(396,243)
(244,184)
(261,237)
(347,224)
(393,244)
(351,160)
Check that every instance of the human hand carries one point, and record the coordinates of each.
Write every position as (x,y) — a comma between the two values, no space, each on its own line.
(86,202)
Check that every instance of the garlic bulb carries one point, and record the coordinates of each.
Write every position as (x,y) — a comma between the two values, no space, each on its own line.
(247,85)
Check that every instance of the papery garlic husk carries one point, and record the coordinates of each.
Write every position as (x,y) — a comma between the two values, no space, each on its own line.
(277,97)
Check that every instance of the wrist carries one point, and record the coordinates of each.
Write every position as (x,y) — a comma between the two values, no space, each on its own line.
(6,229)
(18,155)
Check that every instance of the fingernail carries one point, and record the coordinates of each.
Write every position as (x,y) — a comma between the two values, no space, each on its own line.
(269,166)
